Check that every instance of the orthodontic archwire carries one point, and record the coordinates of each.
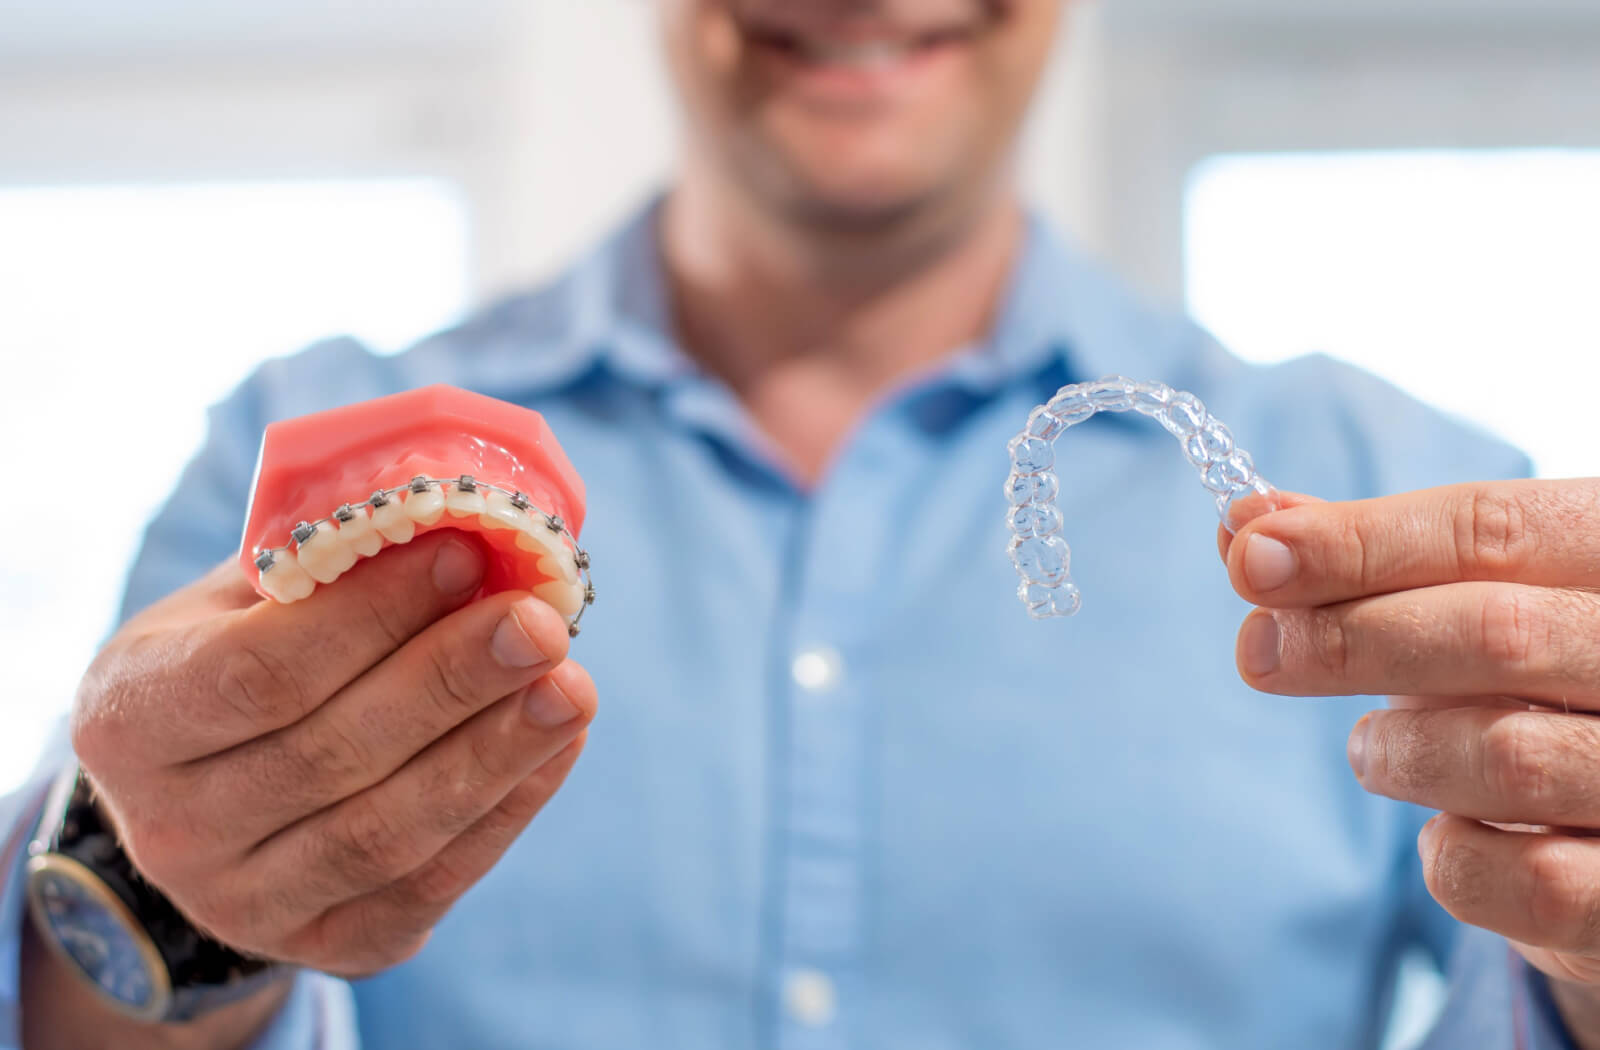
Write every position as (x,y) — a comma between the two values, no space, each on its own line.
(266,557)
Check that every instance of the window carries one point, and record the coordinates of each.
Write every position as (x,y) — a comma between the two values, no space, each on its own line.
(1469,278)
(128,310)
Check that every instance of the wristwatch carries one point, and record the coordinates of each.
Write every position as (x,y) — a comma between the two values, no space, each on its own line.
(115,930)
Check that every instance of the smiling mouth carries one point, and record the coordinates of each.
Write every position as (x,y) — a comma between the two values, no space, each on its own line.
(877,52)
(866,46)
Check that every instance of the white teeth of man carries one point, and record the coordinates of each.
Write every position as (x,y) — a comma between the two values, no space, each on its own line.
(325,555)
(867,54)
(286,581)
(425,507)
(462,503)
(391,522)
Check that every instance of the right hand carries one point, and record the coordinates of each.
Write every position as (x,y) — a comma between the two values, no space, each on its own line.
(317,783)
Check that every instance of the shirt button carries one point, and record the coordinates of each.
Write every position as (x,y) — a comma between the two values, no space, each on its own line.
(809,998)
(817,669)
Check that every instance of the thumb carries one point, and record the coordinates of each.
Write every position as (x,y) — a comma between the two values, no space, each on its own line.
(1256,506)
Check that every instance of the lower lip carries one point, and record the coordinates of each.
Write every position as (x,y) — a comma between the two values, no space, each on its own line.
(851,84)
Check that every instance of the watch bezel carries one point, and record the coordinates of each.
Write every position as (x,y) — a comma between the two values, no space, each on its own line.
(42,864)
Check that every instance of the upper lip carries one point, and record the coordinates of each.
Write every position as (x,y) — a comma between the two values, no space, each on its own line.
(794,29)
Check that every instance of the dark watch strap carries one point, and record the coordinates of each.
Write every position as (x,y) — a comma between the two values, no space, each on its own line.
(204,973)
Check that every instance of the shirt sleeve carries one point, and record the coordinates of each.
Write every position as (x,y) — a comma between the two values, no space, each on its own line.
(1496,1001)
(319,1013)
(196,528)
(18,814)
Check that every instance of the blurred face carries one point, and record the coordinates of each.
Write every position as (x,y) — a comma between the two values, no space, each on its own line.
(851,113)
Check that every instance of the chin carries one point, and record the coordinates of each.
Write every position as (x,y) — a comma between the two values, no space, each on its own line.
(861,183)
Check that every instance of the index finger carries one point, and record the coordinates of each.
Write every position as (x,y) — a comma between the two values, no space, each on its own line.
(246,672)
(1541,533)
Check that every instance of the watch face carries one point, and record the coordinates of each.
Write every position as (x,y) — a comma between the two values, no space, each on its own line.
(94,936)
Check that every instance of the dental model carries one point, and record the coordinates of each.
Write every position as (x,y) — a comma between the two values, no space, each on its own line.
(1041,557)
(436,457)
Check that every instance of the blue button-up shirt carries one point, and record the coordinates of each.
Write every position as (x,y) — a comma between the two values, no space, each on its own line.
(841,791)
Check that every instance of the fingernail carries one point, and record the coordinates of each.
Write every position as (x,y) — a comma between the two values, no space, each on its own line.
(1247,510)
(546,705)
(456,568)
(1268,564)
(1259,643)
(1356,747)
(511,644)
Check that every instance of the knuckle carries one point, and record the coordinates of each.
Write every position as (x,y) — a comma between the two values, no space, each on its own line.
(388,617)
(1330,643)
(1558,901)
(1492,534)
(99,725)
(451,681)
(1353,540)
(454,796)
(259,686)
(434,888)
(325,752)
(490,760)
(366,846)
(91,727)
(1511,633)
(1516,762)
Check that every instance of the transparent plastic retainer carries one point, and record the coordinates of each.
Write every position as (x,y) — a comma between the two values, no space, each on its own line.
(1042,558)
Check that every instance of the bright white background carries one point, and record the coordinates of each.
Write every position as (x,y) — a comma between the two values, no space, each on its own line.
(129,309)
(1472,279)
(187,187)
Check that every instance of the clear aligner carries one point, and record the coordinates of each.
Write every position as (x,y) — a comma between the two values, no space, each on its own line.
(461,495)
(1042,558)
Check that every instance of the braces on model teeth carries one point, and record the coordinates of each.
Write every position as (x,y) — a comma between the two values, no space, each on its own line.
(321,551)
(1041,557)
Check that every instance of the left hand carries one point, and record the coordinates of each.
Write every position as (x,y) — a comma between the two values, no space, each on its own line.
(1476,608)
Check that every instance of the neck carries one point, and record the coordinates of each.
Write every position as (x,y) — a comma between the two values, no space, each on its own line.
(809,324)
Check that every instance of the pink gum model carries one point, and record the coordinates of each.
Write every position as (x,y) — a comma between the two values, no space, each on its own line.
(337,486)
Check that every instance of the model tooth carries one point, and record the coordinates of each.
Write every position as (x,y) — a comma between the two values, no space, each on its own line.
(286,581)
(561,567)
(356,531)
(535,534)
(425,507)
(499,513)
(391,522)
(463,503)
(565,598)
(325,555)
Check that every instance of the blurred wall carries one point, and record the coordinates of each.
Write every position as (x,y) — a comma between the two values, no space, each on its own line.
(553,115)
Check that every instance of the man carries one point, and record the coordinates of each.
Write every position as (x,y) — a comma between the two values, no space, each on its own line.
(843,791)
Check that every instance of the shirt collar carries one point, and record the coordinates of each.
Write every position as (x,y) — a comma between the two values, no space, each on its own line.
(1062,315)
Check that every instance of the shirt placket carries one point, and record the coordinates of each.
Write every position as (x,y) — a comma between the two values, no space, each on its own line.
(826,801)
